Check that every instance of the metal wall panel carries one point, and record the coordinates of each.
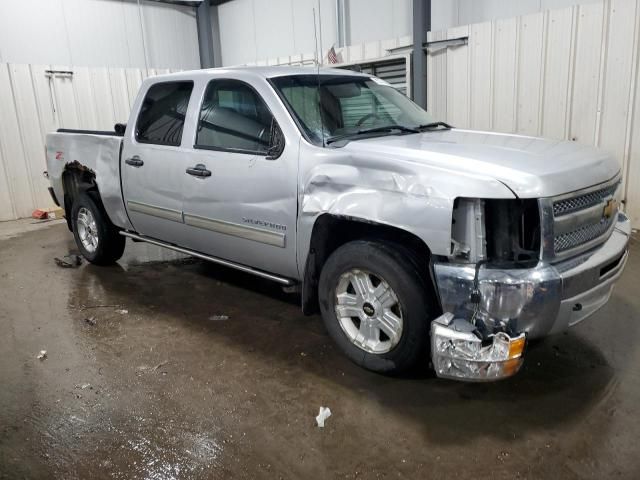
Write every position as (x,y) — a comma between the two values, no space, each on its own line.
(437,72)
(34,102)
(632,150)
(111,33)
(505,40)
(451,13)
(615,106)
(481,54)
(570,73)
(586,73)
(458,81)
(18,177)
(248,29)
(530,73)
(557,71)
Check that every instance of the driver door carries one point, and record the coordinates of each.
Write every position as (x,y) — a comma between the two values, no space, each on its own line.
(240,197)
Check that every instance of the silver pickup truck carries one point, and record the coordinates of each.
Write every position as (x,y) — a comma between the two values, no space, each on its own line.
(411,237)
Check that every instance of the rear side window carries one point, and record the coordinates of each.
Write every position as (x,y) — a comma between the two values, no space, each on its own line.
(234,118)
(161,118)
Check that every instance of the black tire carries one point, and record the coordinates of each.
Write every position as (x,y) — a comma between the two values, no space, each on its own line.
(391,263)
(110,245)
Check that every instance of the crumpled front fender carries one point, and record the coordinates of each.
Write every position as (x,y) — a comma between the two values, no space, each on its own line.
(386,191)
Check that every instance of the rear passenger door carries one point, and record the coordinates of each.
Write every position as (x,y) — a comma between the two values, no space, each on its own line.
(244,209)
(153,162)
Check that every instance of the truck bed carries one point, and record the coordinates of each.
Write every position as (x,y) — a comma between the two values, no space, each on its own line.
(96,153)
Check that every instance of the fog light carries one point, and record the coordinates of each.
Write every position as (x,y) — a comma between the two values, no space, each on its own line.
(458,353)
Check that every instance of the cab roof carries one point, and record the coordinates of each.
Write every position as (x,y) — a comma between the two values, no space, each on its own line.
(263,71)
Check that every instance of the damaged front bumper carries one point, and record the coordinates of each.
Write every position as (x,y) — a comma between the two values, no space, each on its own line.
(518,303)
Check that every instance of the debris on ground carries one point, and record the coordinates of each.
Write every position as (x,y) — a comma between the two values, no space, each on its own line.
(219,317)
(324,413)
(160,365)
(84,386)
(42,355)
(39,214)
(48,213)
(145,368)
(90,321)
(502,456)
(122,311)
(69,261)
(86,307)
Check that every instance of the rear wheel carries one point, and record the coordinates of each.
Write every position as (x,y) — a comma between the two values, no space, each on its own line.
(96,237)
(376,306)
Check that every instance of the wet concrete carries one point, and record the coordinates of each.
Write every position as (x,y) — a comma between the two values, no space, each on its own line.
(215,374)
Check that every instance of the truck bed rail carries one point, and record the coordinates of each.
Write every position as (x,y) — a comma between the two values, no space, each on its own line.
(118,131)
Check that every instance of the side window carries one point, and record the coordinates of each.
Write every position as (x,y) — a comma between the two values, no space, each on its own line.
(161,118)
(234,117)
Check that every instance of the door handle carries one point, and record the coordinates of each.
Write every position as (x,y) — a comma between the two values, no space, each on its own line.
(134,161)
(199,170)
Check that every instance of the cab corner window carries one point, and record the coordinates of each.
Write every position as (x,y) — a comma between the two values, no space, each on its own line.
(234,118)
(162,115)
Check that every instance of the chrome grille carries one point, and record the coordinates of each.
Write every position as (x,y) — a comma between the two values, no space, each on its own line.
(580,236)
(582,202)
(580,220)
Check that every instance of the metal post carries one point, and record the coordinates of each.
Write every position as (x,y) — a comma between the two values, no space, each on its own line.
(217,46)
(421,25)
(205,35)
(342,19)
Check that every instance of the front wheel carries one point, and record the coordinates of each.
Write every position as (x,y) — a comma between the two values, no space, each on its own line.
(96,237)
(376,306)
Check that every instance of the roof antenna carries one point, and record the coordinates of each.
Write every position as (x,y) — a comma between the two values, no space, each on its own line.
(315,32)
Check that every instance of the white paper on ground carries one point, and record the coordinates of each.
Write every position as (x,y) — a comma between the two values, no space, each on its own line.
(324,413)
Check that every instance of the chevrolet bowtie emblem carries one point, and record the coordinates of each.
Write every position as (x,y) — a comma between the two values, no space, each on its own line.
(610,209)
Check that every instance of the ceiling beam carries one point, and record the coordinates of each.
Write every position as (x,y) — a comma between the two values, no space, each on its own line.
(186,3)
(191,3)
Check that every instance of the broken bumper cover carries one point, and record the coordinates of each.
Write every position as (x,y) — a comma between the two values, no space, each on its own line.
(539,301)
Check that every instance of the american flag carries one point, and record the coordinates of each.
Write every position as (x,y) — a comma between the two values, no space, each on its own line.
(332,55)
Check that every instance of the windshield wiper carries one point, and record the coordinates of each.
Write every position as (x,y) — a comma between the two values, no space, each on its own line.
(364,131)
(433,125)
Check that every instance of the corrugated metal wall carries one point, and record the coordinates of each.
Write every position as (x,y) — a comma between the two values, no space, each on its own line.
(254,30)
(99,33)
(570,73)
(33,103)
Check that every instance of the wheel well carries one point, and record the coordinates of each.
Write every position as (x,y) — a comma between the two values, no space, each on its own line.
(76,179)
(331,232)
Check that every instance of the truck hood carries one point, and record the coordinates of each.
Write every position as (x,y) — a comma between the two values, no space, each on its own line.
(531,167)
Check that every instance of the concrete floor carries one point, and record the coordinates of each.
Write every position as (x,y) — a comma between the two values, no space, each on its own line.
(172,389)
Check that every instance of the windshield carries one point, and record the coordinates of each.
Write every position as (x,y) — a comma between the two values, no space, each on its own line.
(349,106)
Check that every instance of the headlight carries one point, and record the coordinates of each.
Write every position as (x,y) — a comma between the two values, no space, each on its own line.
(458,352)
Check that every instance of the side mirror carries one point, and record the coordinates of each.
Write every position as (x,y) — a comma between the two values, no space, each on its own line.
(277,143)
(120,128)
